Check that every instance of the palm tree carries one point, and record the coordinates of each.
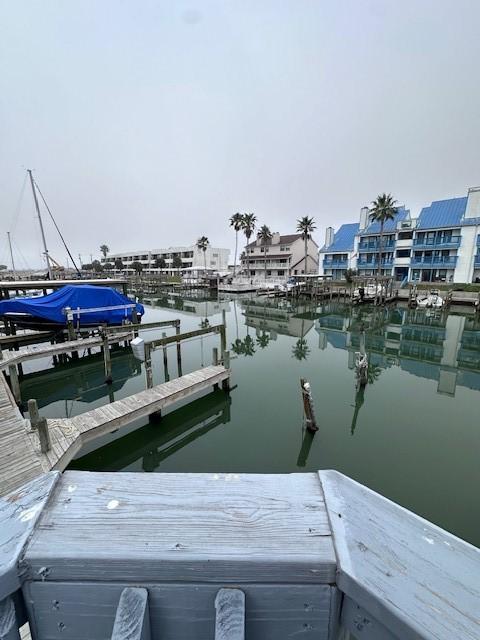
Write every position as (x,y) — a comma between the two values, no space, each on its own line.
(306,226)
(104,249)
(160,263)
(236,223)
(248,226)
(202,245)
(119,264)
(382,209)
(264,235)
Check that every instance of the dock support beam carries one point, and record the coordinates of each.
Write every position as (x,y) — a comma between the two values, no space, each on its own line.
(226,364)
(179,351)
(14,383)
(39,424)
(107,360)
(132,620)
(165,359)
(230,615)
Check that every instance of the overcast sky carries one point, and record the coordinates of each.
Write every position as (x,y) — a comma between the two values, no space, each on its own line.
(149,123)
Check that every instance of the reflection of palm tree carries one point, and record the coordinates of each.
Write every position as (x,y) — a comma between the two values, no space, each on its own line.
(301,350)
(263,340)
(248,346)
(374,372)
(359,400)
(237,347)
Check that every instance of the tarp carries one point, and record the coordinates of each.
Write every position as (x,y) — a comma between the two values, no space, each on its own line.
(85,296)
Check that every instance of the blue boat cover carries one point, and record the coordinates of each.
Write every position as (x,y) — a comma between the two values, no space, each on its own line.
(52,306)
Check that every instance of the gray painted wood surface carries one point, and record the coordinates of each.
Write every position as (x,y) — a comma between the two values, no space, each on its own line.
(132,619)
(19,512)
(70,611)
(8,620)
(184,527)
(409,575)
(230,615)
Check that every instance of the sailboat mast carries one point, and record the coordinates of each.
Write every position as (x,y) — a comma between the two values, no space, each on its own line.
(45,250)
(11,256)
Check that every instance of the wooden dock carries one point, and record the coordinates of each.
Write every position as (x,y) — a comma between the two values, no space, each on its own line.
(217,556)
(21,458)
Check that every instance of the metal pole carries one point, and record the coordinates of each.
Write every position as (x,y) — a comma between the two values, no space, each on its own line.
(50,274)
(11,256)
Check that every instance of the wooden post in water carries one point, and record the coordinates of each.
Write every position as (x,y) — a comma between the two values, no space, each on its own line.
(226,364)
(14,383)
(179,351)
(223,333)
(148,365)
(33,413)
(214,356)
(310,419)
(40,425)
(165,359)
(107,360)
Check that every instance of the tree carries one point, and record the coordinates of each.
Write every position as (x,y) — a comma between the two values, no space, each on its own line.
(119,264)
(108,266)
(202,245)
(160,263)
(87,267)
(137,267)
(382,209)
(350,274)
(177,262)
(3,267)
(236,223)
(264,235)
(104,250)
(306,226)
(96,266)
(248,226)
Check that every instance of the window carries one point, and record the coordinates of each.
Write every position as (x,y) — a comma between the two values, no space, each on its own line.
(215,255)
(281,272)
(269,273)
(405,235)
(403,253)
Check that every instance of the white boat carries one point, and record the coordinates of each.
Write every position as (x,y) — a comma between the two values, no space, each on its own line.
(432,300)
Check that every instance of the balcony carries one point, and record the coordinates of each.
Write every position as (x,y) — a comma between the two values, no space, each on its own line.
(335,264)
(478,240)
(373,264)
(373,245)
(270,265)
(476,264)
(451,242)
(449,262)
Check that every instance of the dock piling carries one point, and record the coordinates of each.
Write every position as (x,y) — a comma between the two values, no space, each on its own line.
(310,420)
(107,360)
(226,364)
(179,351)
(14,383)
(165,359)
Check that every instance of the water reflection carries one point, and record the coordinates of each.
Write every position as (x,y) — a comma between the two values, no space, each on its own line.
(430,344)
(146,448)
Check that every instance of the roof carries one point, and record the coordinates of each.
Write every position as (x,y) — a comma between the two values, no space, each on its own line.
(283,240)
(442,213)
(343,238)
(389,226)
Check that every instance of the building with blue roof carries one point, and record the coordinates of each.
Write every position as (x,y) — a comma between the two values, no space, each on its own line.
(441,245)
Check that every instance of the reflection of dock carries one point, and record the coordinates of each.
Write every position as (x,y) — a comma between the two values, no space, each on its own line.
(155,442)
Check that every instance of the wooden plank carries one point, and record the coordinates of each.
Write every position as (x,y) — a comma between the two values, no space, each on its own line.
(132,621)
(230,615)
(212,527)
(409,575)
(59,610)
(19,512)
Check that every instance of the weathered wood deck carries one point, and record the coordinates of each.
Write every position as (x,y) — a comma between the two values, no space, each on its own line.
(20,456)
(216,556)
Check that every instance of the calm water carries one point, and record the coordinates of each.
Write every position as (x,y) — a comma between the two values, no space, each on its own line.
(413,435)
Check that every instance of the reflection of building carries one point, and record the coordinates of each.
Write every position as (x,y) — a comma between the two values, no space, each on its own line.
(275,319)
(190,257)
(194,306)
(282,256)
(441,245)
(439,346)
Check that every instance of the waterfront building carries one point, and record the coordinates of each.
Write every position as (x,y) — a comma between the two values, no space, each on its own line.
(441,245)
(192,258)
(281,257)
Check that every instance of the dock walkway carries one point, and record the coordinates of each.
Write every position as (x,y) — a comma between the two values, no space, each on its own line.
(21,459)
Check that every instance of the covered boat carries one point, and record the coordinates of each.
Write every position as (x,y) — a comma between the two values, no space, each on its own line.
(90,306)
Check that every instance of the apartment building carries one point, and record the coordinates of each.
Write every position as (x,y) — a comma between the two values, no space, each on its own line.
(442,244)
(282,256)
(191,257)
